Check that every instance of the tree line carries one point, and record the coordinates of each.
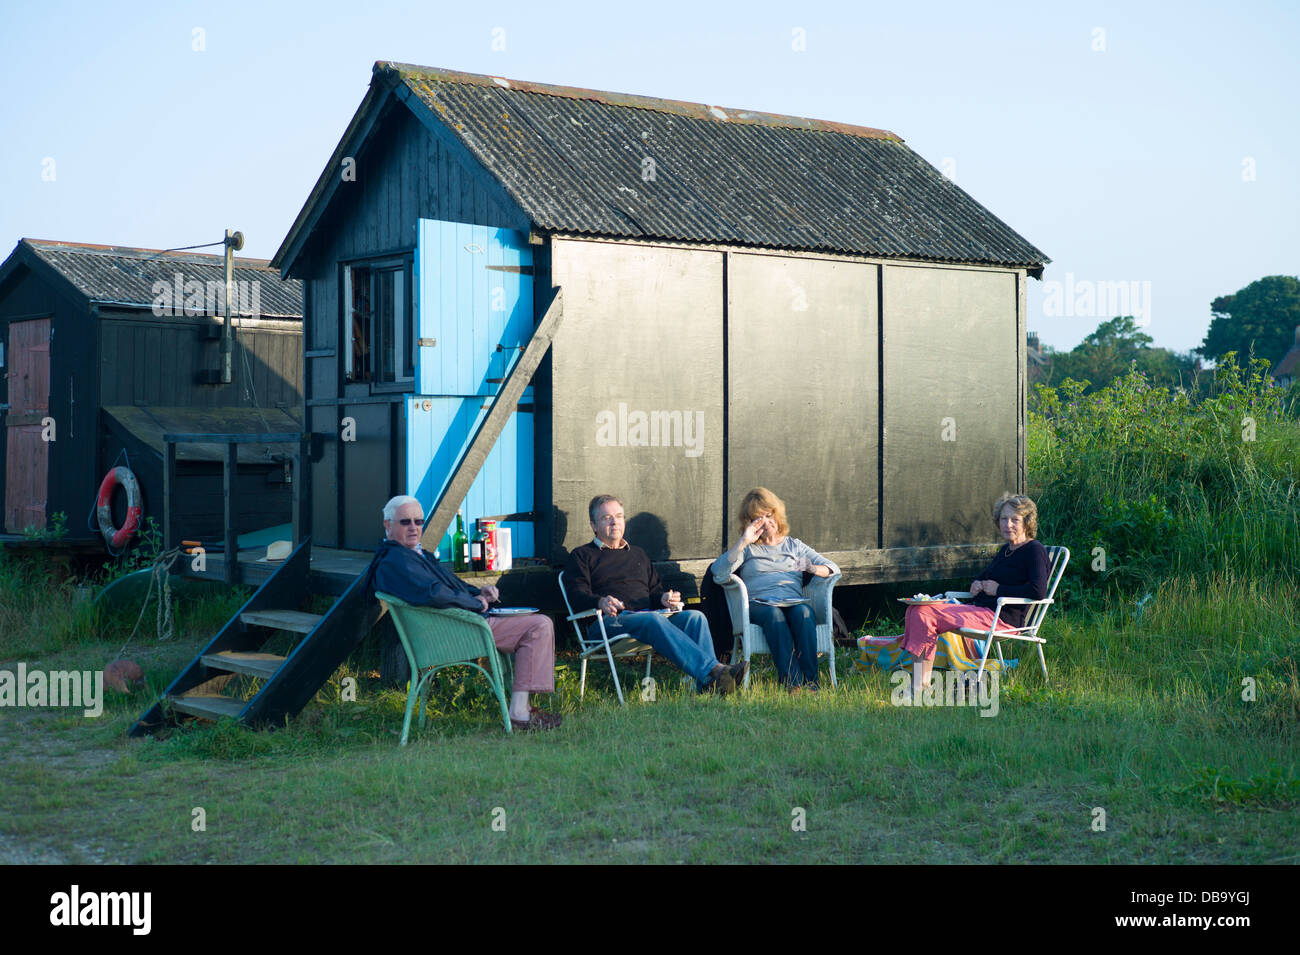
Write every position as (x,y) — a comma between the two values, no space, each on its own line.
(1258,321)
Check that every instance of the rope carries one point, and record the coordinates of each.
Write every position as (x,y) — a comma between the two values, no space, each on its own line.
(165,622)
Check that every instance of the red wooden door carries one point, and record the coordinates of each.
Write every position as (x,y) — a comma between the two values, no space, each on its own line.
(27,454)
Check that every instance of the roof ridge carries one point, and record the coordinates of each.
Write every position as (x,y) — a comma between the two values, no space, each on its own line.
(124,251)
(704,111)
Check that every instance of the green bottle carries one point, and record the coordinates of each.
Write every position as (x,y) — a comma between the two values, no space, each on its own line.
(460,547)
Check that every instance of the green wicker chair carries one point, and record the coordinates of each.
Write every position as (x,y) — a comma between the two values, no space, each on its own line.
(438,638)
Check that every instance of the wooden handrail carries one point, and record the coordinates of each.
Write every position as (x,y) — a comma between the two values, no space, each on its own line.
(229,485)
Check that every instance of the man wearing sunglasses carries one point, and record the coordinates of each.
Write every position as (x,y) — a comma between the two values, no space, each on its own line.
(402,568)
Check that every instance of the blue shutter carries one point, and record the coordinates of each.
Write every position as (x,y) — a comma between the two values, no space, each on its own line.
(471,295)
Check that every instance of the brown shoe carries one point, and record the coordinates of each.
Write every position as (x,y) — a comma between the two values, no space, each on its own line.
(721,682)
(738,671)
(537,720)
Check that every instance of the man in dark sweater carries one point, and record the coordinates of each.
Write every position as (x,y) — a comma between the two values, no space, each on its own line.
(401,568)
(618,578)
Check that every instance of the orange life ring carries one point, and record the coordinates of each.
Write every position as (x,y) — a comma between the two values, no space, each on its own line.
(116,538)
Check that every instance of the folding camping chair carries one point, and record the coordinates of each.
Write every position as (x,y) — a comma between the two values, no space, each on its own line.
(590,645)
(1059,556)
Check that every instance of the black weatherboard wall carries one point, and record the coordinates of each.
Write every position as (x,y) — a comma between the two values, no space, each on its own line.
(782,301)
(116,342)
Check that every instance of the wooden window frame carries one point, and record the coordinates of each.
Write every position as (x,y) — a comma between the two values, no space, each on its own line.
(373,327)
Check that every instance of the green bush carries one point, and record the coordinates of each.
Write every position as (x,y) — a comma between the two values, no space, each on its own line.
(1165,485)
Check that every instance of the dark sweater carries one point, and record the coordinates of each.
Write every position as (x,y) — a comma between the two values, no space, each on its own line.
(418,579)
(594,572)
(1019,573)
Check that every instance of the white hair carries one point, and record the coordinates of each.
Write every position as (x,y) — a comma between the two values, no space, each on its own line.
(392,507)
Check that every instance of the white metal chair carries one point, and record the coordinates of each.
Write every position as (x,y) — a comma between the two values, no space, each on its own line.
(1059,557)
(749,637)
(590,645)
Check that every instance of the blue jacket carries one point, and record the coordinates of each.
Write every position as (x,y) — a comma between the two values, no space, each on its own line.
(418,579)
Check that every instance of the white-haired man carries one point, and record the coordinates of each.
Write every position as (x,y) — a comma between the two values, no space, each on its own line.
(403,569)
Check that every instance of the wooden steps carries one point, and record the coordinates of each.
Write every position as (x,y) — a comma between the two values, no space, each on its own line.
(208,707)
(294,621)
(262,665)
(216,684)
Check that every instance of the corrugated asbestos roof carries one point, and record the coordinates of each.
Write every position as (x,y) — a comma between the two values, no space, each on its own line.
(573,160)
(126,276)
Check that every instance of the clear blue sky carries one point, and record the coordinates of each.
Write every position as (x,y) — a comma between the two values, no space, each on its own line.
(1163,149)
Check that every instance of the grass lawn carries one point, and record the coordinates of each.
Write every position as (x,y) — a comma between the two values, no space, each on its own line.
(1143,718)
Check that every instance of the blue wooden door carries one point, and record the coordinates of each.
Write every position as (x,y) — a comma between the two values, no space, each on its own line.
(473,317)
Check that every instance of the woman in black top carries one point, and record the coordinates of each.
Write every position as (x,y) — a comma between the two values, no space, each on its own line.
(1020,569)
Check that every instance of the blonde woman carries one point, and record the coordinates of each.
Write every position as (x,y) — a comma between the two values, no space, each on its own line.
(772,564)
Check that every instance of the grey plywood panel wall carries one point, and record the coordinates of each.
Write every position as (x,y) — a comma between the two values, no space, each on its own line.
(802,402)
(637,393)
(952,403)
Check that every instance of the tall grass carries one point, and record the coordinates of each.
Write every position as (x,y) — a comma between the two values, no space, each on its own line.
(1166,486)
(39,611)
(45,611)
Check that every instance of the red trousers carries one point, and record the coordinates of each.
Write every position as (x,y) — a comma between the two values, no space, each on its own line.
(925,622)
(531,639)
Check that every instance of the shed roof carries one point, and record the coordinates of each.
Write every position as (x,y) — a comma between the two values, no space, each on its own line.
(117,275)
(1289,365)
(149,425)
(582,161)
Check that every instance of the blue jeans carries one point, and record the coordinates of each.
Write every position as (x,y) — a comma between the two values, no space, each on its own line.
(792,637)
(683,638)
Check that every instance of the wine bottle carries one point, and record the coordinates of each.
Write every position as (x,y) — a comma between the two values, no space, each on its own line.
(460,546)
(478,552)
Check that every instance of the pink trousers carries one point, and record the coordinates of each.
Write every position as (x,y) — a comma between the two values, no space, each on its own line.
(926,621)
(531,639)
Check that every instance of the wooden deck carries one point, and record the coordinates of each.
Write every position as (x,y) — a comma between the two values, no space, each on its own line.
(20,542)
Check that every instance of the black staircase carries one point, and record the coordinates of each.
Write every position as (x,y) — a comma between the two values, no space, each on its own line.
(289,682)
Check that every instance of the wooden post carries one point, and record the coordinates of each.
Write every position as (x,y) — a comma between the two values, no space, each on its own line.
(169,486)
(301,489)
(229,480)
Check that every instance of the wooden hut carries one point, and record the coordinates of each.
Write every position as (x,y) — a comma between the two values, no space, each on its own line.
(698,299)
(105,350)
(1288,366)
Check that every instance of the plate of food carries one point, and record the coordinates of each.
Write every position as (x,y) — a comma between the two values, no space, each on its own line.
(510,611)
(920,600)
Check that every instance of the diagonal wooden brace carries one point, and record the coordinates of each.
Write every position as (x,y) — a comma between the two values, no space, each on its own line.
(494,422)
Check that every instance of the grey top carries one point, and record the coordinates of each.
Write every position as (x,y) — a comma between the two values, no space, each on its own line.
(770,571)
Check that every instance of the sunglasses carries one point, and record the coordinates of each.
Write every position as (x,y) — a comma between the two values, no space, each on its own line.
(408,521)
